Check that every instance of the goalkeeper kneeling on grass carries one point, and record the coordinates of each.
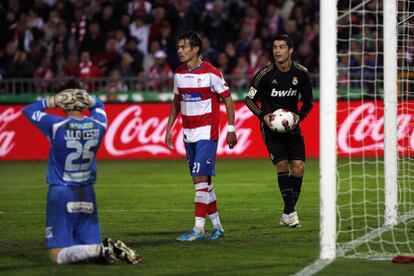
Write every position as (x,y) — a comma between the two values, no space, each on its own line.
(72,226)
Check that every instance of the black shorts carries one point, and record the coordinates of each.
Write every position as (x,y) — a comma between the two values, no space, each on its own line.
(284,146)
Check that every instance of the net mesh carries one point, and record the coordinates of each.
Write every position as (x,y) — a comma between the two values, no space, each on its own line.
(360,169)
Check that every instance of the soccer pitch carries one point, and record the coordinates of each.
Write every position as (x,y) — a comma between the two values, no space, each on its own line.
(148,204)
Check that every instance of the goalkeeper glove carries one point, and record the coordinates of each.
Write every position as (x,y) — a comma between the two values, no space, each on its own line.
(61,99)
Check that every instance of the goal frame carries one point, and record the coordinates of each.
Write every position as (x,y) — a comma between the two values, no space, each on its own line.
(328,113)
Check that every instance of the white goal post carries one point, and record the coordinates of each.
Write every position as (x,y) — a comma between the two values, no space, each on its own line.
(328,130)
(327,115)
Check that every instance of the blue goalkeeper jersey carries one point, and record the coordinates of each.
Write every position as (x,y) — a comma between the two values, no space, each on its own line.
(74,143)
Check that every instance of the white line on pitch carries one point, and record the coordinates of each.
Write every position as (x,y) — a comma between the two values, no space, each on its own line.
(341,251)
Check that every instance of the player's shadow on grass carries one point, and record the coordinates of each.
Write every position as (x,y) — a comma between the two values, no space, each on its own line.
(163,233)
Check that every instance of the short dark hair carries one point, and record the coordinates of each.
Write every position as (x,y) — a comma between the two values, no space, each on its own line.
(194,39)
(69,84)
(286,38)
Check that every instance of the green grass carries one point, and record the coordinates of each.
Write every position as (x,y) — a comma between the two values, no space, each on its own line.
(149,203)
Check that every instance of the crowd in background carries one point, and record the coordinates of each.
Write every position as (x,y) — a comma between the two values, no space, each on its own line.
(50,39)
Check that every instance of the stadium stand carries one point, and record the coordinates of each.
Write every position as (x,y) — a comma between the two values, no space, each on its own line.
(112,44)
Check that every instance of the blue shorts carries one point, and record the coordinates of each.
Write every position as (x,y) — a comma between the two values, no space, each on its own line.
(201,157)
(71,216)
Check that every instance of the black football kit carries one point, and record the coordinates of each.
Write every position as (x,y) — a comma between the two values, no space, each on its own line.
(275,89)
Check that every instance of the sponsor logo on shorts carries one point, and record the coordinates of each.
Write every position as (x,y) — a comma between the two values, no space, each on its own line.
(79,207)
(49,232)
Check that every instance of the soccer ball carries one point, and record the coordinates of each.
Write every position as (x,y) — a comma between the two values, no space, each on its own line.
(283,121)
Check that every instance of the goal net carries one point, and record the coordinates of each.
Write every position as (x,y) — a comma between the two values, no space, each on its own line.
(366,225)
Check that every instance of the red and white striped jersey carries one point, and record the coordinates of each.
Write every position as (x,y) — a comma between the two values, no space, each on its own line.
(199,92)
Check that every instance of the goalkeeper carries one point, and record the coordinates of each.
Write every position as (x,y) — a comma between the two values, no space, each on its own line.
(72,226)
(278,85)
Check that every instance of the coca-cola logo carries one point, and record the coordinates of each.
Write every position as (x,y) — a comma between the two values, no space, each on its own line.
(363,130)
(7,136)
(131,133)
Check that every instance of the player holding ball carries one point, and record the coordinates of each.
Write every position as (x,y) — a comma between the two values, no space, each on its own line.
(278,86)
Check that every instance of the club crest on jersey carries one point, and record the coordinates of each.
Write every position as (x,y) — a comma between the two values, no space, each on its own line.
(295,81)
(199,82)
(252,92)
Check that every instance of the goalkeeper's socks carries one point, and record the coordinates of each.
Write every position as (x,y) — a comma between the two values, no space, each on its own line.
(296,183)
(286,191)
(77,253)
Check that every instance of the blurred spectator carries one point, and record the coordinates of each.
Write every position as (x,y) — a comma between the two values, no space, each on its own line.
(184,17)
(72,66)
(230,50)
(240,73)
(215,24)
(121,40)
(305,56)
(44,75)
(223,63)
(15,62)
(208,53)
(149,59)
(125,22)
(137,56)
(256,50)
(78,26)
(243,44)
(273,20)
(51,26)
(94,41)
(106,19)
(125,68)
(139,7)
(291,30)
(167,43)
(87,69)
(108,59)
(160,74)
(262,61)
(115,84)
(59,58)
(61,36)
(158,16)
(140,31)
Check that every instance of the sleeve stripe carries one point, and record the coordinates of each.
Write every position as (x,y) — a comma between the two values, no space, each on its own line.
(253,107)
(261,74)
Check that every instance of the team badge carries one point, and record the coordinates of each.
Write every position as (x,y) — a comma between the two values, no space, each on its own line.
(252,92)
(199,82)
(295,81)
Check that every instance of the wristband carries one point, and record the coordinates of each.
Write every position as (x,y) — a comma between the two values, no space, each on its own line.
(230,128)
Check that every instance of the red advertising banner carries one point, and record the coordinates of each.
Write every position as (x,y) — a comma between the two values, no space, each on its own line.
(136,131)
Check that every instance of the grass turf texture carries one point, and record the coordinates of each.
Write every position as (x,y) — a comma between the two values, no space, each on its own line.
(148,204)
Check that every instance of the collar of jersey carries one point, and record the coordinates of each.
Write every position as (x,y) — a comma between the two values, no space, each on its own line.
(77,119)
(196,68)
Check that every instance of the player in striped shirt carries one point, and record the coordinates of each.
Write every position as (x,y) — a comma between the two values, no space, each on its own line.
(198,88)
